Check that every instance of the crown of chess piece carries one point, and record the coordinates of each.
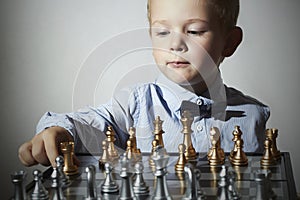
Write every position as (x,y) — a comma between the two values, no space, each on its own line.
(267,158)
(238,156)
(67,148)
(158,131)
(110,139)
(187,120)
(272,134)
(179,166)
(18,179)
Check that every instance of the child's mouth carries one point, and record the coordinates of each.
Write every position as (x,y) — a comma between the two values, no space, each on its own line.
(178,64)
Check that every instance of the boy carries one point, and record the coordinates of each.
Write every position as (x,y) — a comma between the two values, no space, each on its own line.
(190,40)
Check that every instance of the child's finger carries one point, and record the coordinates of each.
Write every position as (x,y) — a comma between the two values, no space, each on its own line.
(25,154)
(51,149)
(39,153)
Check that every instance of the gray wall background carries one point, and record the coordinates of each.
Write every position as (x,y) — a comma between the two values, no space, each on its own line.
(44,43)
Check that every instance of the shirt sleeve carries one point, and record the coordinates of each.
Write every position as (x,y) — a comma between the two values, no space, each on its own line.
(88,125)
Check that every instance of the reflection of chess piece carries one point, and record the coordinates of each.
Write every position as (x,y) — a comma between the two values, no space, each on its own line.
(158,131)
(263,185)
(154,147)
(267,159)
(272,134)
(67,148)
(181,178)
(110,134)
(187,120)
(179,167)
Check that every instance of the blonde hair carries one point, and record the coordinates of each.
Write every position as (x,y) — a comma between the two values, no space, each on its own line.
(226,10)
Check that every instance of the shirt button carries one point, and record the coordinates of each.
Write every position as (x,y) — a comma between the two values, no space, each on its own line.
(199,128)
(199,102)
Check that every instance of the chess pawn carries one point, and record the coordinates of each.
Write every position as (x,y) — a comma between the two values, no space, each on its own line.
(223,192)
(91,183)
(39,192)
(233,193)
(139,185)
(18,179)
(130,154)
(132,137)
(60,165)
(56,186)
(267,159)
(110,134)
(215,135)
(179,166)
(272,134)
(158,131)
(237,133)
(126,192)
(154,147)
(109,185)
(215,157)
(187,120)
(105,157)
(67,148)
(239,158)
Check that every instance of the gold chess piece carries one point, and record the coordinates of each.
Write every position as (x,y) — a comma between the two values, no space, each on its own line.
(187,121)
(132,137)
(158,131)
(130,151)
(154,146)
(110,138)
(215,135)
(215,158)
(267,159)
(105,157)
(67,148)
(179,167)
(272,134)
(239,158)
(237,134)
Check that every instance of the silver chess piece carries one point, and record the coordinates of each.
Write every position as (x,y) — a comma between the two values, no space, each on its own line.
(91,183)
(233,193)
(139,185)
(39,191)
(126,192)
(223,193)
(161,159)
(18,179)
(60,168)
(56,186)
(263,186)
(109,185)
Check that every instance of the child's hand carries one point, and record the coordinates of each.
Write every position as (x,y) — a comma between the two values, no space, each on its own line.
(43,147)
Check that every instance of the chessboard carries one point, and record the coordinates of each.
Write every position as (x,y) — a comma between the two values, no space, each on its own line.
(282,180)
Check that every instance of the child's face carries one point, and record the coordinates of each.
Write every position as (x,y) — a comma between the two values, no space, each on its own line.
(187,40)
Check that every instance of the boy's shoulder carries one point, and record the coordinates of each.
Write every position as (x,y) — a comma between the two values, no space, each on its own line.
(236,97)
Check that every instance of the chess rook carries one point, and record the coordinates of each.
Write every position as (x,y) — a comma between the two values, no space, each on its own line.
(67,148)
(18,179)
(187,121)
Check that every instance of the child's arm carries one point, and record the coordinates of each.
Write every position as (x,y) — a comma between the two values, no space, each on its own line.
(43,147)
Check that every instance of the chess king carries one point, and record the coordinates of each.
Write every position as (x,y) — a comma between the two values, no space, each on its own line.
(190,39)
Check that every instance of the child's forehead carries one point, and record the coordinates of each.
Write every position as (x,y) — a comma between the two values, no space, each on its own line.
(161,8)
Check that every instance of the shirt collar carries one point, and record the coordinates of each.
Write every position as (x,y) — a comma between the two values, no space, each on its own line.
(215,95)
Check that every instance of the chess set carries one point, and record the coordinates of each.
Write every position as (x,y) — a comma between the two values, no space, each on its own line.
(163,175)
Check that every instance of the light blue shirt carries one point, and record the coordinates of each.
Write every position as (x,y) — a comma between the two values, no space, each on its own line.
(220,106)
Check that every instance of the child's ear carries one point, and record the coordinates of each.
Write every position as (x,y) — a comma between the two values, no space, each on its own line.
(234,38)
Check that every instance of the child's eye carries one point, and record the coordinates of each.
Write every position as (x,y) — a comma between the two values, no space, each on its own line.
(193,32)
(162,33)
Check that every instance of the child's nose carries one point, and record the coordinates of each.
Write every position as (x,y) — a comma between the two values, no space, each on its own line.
(178,43)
